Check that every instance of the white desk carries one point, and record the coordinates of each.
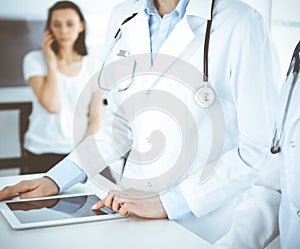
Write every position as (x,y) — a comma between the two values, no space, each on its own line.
(126,233)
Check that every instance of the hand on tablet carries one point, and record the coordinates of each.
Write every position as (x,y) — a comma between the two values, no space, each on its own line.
(135,202)
(29,189)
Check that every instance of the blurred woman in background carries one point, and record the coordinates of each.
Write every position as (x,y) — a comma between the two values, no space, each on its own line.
(58,75)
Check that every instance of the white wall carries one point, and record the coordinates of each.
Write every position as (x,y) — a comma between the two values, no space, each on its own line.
(96,13)
(38,8)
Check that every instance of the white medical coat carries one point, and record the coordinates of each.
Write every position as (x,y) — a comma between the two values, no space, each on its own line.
(244,73)
(289,215)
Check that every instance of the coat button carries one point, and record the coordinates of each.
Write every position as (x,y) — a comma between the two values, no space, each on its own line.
(298,213)
(292,144)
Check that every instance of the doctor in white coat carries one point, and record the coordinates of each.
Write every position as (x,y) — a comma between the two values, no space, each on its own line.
(237,206)
(289,216)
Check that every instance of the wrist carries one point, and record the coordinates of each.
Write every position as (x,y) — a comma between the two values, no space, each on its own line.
(53,185)
(52,66)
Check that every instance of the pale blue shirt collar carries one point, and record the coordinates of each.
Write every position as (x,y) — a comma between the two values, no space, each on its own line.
(150,8)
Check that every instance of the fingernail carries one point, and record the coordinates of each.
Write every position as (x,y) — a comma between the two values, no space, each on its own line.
(94,206)
(16,198)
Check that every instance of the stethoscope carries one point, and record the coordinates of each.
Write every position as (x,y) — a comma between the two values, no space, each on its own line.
(204,96)
(294,65)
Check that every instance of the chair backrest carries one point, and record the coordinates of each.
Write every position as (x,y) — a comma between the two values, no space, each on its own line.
(23,110)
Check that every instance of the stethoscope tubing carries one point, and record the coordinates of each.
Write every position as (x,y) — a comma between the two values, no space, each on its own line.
(276,147)
(118,35)
(277,138)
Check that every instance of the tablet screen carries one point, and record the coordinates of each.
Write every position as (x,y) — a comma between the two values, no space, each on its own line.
(59,208)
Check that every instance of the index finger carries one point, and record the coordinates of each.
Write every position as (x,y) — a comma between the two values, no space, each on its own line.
(98,205)
(7,193)
(11,191)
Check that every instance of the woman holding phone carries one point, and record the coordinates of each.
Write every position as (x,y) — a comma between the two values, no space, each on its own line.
(58,75)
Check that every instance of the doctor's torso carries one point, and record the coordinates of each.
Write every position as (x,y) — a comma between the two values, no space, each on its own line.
(186,43)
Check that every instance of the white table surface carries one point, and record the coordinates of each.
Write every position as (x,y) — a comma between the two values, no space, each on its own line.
(125,233)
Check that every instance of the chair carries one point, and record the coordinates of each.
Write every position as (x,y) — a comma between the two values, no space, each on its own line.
(24,112)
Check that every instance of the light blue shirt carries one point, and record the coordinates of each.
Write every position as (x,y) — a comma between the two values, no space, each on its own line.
(161,27)
(67,173)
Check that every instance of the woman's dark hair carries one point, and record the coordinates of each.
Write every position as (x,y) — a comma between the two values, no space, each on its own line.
(79,46)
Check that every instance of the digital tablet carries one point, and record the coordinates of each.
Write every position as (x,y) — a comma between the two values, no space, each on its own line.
(54,210)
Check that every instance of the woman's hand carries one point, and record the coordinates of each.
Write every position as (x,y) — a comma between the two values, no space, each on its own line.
(132,201)
(50,56)
(30,188)
(46,88)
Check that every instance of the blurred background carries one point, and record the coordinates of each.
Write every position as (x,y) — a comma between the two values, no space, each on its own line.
(21,30)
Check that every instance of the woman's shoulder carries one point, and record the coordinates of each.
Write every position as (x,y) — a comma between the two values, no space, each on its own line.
(90,58)
(35,55)
(34,64)
(93,63)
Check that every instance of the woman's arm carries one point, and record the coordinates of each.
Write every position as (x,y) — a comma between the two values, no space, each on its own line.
(46,87)
(94,113)
(46,91)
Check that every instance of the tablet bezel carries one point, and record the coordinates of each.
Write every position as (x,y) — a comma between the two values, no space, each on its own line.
(17,225)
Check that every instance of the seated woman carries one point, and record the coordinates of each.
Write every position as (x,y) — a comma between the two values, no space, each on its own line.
(58,75)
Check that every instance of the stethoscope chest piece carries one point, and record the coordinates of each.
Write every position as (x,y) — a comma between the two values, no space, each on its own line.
(205,96)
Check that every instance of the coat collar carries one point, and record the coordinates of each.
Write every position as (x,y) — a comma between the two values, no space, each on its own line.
(136,34)
(199,8)
(136,31)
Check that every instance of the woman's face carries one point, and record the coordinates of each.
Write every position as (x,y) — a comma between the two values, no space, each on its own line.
(65,25)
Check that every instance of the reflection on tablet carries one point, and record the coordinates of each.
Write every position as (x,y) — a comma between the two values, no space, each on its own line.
(56,209)
(108,174)
(114,172)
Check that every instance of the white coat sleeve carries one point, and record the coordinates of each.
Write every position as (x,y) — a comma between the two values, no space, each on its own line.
(254,73)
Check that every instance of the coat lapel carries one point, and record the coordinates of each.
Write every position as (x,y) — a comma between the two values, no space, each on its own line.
(178,40)
(136,34)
